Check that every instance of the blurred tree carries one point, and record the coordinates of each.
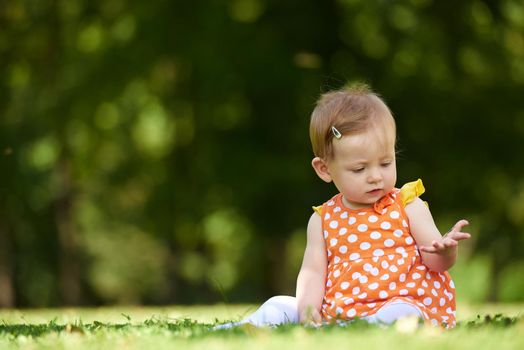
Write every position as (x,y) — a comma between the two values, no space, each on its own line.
(157,152)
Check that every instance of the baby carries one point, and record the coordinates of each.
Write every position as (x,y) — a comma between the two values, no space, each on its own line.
(373,250)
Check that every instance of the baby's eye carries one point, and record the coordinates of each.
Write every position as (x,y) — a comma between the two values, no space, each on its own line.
(357,170)
(386,164)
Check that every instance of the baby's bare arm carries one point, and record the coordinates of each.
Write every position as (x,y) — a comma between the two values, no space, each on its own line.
(438,252)
(312,276)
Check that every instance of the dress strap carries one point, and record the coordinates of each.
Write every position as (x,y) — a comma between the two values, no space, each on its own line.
(410,191)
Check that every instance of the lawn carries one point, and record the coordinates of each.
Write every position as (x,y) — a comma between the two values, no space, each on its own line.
(182,327)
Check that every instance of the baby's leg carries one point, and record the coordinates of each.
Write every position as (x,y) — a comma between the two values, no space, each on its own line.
(393,312)
(275,311)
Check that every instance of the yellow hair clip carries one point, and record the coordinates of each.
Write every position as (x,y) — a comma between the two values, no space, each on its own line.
(336,133)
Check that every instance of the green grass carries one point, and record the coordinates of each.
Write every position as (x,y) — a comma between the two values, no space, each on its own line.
(480,327)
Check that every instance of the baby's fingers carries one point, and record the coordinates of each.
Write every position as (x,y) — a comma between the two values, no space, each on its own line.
(427,249)
(435,247)
(460,236)
(459,225)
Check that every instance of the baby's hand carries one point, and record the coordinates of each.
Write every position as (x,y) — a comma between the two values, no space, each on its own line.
(449,240)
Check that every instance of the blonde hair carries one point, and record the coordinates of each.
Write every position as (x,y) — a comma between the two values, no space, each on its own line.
(351,110)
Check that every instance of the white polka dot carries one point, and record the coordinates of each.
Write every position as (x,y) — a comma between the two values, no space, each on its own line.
(333,242)
(402,277)
(365,245)
(343,249)
(326,234)
(394,214)
(349,301)
(362,227)
(339,310)
(372,218)
(374,271)
(427,301)
(363,296)
(384,264)
(327,216)
(356,291)
(375,235)
(344,215)
(383,294)
(336,260)
(337,209)
(451,284)
(371,305)
(403,292)
(409,240)
(363,279)
(434,322)
(392,286)
(398,233)
(352,238)
(344,285)
(356,275)
(378,252)
(354,256)
(333,224)
(384,277)
(416,276)
(404,223)
(367,267)
(436,284)
(352,220)
(342,231)
(425,284)
(336,273)
(420,291)
(351,313)
(410,284)
(393,268)
(400,261)
(449,311)
(329,283)
(434,292)
(338,295)
(373,286)
(400,250)
(385,225)
(389,242)
(442,301)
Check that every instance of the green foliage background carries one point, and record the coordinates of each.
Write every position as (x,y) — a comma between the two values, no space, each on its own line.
(157,152)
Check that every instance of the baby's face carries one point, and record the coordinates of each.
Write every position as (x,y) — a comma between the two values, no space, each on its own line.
(363,167)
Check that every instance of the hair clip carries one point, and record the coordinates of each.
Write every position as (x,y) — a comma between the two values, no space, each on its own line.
(336,133)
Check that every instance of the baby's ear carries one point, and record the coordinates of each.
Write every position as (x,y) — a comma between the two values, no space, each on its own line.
(321,169)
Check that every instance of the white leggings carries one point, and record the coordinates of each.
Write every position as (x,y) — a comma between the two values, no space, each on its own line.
(283,309)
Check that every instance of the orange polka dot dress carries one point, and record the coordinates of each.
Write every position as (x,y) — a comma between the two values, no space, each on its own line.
(373,260)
